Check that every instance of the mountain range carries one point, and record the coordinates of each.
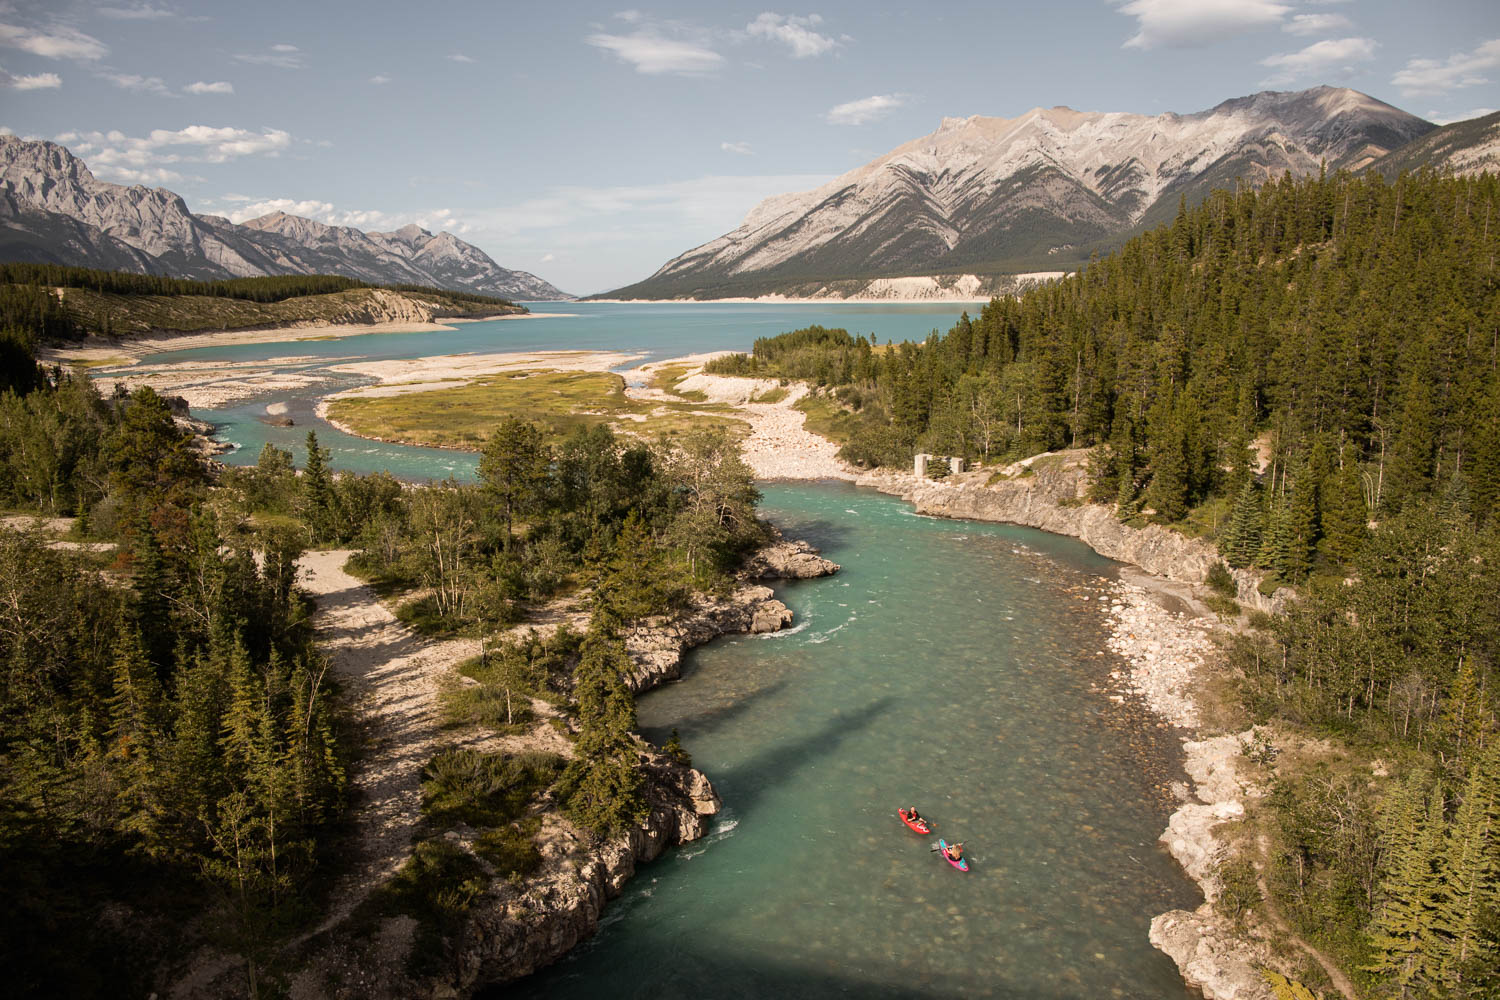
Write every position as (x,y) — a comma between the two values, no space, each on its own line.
(982,198)
(53,210)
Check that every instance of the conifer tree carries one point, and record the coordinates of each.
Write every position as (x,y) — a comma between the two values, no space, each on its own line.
(1465,946)
(602,785)
(317,489)
(1242,537)
(1405,927)
(1345,516)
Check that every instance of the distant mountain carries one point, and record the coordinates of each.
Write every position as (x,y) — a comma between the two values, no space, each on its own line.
(1467,147)
(52,209)
(1039,192)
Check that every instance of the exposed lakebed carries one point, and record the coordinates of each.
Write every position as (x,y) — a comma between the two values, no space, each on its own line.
(957,666)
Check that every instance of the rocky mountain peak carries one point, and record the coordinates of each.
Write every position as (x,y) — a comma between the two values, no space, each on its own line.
(1036,192)
(56,210)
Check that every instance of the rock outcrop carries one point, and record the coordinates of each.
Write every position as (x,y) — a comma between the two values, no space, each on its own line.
(1211,953)
(512,934)
(785,559)
(1048,492)
(656,648)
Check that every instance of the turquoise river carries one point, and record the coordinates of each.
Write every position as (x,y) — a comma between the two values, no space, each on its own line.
(960,667)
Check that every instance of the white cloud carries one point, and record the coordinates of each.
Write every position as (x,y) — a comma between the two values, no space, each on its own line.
(203,87)
(1442,118)
(37,81)
(57,42)
(795,32)
(652,53)
(281,56)
(459,57)
(1427,77)
(742,148)
(137,12)
(137,159)
(865,110)
(1332,55)
(1177,23)
(380,78)
(547,258)
(330,214)
(1316,24)
(138,84)
(148,175)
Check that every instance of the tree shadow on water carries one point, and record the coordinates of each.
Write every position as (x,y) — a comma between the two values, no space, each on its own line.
(700,969)
(750,778)
(709,720)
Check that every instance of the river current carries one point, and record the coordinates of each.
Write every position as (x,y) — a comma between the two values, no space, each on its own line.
(956,666)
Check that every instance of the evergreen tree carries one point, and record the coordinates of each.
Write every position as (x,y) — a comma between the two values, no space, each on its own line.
(1344,515)
(1405,927)
(514,468)
(1465,950)
(317,489)
(1242,537)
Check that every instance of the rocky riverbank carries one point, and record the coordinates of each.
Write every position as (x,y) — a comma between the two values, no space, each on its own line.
(1049,492)
(514,929)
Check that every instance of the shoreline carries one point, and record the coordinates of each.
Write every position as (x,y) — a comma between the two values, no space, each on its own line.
(96,349)
(779,300)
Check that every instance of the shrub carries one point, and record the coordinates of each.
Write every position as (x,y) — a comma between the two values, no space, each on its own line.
(466,786)
(510,850)
(1240,890)
(1221,581)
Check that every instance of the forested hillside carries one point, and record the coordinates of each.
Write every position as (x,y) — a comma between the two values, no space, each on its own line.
(1309,375)
(174,750)
(49,301)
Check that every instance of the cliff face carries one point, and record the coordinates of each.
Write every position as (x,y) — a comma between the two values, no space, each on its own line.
(513,936)
(1049,493)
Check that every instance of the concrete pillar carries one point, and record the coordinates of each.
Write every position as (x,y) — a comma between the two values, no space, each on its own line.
(955,464)
(920,467)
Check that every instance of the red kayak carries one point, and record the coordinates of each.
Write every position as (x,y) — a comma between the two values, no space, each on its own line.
(920,825)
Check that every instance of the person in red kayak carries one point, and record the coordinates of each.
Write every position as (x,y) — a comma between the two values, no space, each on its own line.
(913,815)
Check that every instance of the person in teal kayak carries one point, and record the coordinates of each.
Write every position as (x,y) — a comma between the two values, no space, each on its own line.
(956,852)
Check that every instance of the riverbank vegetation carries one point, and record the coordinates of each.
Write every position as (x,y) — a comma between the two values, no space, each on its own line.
(1308,375)
(175,752)
(557,401)
(52,302)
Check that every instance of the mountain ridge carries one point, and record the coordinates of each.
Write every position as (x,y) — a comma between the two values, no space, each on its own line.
(1035,192)
(53,210)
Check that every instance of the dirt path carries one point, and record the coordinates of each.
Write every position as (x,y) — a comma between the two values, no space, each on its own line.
(392,675)
(1336,976)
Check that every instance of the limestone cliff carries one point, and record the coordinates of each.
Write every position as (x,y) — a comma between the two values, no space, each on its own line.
(1048,492)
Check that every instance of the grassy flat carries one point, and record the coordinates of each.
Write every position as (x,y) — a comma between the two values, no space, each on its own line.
(557,401)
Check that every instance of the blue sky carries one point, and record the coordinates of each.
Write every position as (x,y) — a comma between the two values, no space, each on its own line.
(588,143)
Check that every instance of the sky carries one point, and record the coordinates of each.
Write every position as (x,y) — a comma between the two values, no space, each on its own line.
(588,143)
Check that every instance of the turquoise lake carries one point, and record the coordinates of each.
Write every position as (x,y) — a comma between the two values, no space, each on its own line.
(951,665)
(956,666)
